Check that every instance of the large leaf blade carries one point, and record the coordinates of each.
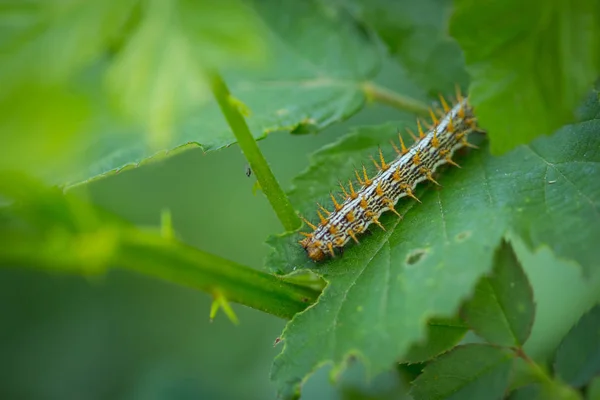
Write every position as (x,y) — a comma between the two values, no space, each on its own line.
(380,293)
(531,68)
(502,308)
(578,356)
(467,372)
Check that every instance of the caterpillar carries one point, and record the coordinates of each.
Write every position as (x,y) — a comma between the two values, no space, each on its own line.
(447,133)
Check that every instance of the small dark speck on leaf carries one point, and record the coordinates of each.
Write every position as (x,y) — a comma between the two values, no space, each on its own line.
(304,300)
(461,237)
(276,342)
(415,256)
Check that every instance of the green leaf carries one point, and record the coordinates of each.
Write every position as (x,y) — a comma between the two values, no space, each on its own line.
(415,34)
(473,371)
(442,335)
(593,389)
(43,45)
(150,54)
(502,308)
(141,79)
(578,356)
(548,391)
(49,41)
(160,71)
(531,63)
(305,84)
(381,293)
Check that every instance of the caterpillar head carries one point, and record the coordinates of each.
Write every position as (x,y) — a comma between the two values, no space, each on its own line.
(313,249)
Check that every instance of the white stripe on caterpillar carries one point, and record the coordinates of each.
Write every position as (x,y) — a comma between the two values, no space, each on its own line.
(393,181)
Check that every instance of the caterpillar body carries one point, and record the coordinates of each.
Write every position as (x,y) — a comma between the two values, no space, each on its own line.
(394,180)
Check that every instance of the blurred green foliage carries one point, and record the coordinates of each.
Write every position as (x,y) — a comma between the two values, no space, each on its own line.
(90,90)
(126,336)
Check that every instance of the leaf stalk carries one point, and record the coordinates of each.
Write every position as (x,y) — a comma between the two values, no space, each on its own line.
(268,183)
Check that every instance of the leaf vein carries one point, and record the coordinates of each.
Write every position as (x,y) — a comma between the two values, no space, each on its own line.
(566,179)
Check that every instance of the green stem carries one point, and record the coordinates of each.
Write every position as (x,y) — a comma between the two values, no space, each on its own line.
(383,95)
(151,255)
(269,185)
(535,368)
(554,388)
(50,231)
(187,266)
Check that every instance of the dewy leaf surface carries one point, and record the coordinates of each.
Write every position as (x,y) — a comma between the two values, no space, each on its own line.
(578,356)
(502,308)
(381,293)
(474,371)
(531,63)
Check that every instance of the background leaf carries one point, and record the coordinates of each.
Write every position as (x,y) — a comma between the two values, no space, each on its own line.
(304,85)
(141,81)
(549,391)
(530,68)
(432,258)
(44,46)
(593,390)
(160,71)
(442,335)
(578,356)
(502,308)
(467,372)
(415,33)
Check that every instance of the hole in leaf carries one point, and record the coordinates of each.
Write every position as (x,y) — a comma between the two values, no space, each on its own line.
(415,256)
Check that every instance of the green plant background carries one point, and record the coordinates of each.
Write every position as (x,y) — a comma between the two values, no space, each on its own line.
(125,336)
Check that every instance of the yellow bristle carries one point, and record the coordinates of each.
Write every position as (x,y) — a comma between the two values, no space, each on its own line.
(433,117)
(307,222)
(412,135)
(321,218)
(350,217)
(376,165)
(346,195)
(379,190)
(352,235)
(384,165)
(330,248)
(444,104)
(451,162)
(376,221)
(410,194)
(335,203)
(326,211)
(367,180)
(421,133)
(352,192)
(360,181)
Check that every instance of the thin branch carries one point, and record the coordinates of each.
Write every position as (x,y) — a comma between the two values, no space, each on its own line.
(47,230)
(151,255)
(269,185)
